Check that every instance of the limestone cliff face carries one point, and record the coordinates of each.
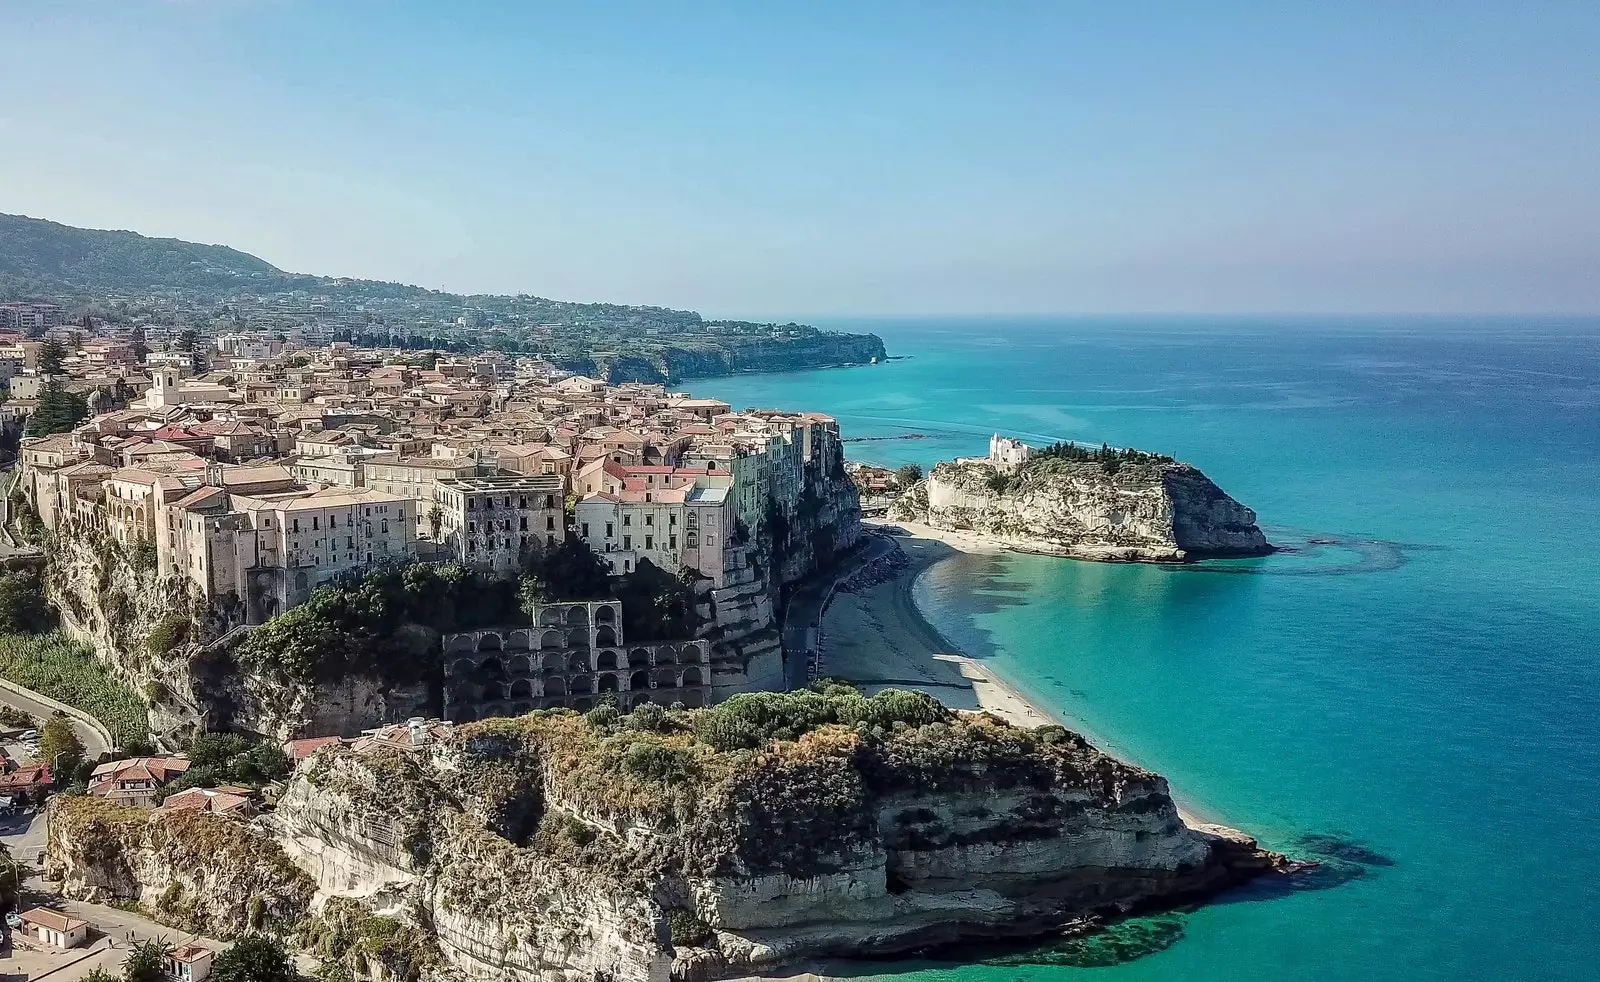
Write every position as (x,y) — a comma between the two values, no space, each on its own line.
(191,870)
(1153,511)
(741,616)
(551,848)
(160,636)
(676,362)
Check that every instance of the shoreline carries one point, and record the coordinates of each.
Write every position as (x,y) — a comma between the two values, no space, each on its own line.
(876,637)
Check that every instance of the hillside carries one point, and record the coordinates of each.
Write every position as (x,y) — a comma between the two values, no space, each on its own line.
(125,277)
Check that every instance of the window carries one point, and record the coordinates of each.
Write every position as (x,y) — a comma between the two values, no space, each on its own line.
(549,501)
(472,527)
(550,522)
(522,502)
(333,521)
(523,523)
(296,525)
(672,542)
(627,542)
(585,530)
(609,531)
(691,540)
(627,520)
(672,519)
(314,522)
(349,542)
(386,526)
(649,519)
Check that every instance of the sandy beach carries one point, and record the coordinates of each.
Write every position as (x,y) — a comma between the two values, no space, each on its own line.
(875,637)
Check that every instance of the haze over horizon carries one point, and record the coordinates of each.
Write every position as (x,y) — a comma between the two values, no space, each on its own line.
(837,159)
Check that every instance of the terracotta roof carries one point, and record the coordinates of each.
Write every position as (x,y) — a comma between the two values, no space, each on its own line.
(45,917)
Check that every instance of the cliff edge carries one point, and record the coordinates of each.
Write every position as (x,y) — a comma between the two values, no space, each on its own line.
(685,844)
(1104,505)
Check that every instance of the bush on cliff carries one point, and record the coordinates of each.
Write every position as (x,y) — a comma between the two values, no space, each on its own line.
(217,758)
(255,958)
(23,609)
(356,629)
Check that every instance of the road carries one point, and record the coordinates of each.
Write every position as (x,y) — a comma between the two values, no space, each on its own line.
(805,608)
(93,744)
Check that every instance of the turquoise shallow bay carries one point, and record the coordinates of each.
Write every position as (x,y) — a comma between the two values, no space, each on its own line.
(1430,693)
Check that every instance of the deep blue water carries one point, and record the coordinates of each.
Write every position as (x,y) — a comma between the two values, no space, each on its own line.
(1428,689)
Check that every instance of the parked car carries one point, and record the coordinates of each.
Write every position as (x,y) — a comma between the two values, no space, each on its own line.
(29,736)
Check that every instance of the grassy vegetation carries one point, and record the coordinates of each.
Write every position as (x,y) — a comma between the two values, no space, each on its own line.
(60,668)
(764,781)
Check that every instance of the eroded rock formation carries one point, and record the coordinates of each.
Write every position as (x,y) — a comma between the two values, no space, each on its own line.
(685,845)
(1150,510)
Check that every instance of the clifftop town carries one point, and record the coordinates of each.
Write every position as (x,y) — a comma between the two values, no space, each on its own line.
(189,527)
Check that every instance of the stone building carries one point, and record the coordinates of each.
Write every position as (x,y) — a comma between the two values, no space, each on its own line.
(571,656)
(491,522)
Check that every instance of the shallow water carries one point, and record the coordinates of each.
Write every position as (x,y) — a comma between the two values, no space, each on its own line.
(1416,702)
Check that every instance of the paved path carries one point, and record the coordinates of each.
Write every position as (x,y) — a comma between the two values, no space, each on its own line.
(93,743)
(805,609)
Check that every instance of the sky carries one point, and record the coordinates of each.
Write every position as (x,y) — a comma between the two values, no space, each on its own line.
(862,158)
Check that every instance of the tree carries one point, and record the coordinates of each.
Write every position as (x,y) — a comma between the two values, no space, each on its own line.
(58,410)
(51,355)
(908,475)
(255,958)
(23,609)
(569,571)
(148,962)
(59,745)
(186,339)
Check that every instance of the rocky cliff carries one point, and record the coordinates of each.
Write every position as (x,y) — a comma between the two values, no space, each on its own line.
(160,635)
(1145,509)
(644,362)
(697,844)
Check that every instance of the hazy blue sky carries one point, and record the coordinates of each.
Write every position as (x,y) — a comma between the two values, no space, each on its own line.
(856,157)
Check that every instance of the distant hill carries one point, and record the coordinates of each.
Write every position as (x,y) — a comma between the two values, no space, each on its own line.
(38,256)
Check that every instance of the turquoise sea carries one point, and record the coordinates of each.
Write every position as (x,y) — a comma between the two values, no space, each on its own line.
(1419,704)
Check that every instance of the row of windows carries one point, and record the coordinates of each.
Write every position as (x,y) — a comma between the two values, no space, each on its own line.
(522,502)
(505,525)
(490,545)
(333,520)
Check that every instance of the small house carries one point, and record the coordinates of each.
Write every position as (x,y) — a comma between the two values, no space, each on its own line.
(189,963)
(53,928)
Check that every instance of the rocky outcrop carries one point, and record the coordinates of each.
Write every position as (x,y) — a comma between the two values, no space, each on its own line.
(556,847)
(1152,509)
(189,869)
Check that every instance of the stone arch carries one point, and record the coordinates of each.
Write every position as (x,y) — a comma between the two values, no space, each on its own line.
(694,699)
(580,684)
(606,615)
(577,662)
(555,686)
(694,653)
(555,663)
(462,667)
(489,641)
(606,659)
(665,678)
(520,689)
(552,639)
(520,665)
(607,683)
(459,642)
(638,699)
(578,616)
(491,668)
(639,680)
(604,635)
(578,637)
(691,676)
(638,657)
(549,617)
(520,639)
(583,705)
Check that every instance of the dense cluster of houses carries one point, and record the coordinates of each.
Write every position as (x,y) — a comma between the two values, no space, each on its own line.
(289,468)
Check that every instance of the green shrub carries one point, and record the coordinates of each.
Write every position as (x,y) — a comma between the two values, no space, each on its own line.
(61,669)
(688,930)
